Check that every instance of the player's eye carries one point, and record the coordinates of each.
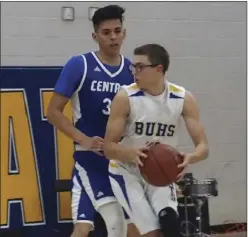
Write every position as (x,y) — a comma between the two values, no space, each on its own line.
(106,32)
(136,67)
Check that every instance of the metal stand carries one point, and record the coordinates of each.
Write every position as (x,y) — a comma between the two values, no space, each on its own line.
(199,191)
(186,217)
(199,202)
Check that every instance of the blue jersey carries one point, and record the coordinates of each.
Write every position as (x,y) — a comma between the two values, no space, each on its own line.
(91,85)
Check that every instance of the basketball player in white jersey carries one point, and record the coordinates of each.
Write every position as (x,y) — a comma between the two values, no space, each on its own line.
(149,110)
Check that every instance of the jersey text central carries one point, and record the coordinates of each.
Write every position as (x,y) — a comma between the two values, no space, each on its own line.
(104,86)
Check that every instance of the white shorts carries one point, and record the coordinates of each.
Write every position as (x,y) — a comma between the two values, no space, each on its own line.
(141,201)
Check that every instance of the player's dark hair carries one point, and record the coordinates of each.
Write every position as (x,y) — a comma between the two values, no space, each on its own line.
(156,54)
(110,12)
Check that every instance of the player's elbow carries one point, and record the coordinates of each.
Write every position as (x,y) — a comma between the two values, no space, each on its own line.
(206,151)
(51,114)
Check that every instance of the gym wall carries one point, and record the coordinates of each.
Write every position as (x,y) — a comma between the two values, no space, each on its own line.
(207,45)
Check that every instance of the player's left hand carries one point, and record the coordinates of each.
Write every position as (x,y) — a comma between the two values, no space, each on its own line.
(184,165)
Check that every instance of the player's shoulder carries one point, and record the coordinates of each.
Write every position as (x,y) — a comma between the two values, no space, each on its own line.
(133,90)
(82,56)
(176,90)
(80,60)
(88,54)
(74,64)
(77,59)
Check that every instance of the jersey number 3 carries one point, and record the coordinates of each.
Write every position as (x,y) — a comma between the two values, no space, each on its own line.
(107,104)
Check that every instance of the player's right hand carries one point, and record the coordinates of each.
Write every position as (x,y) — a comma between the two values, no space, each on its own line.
(94,144)
(137,154)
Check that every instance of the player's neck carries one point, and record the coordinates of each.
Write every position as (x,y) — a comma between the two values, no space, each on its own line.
(157,89)
(109,59)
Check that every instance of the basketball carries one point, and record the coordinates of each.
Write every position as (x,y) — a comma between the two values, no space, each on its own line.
(160,167)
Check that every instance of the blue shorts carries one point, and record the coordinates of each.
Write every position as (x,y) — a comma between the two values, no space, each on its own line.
(93,172)
(82,207)
(91,186)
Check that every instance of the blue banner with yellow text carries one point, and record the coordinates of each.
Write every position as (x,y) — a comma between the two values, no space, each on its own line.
(33,155)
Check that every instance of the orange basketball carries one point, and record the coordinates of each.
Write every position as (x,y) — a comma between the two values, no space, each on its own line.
(160,167)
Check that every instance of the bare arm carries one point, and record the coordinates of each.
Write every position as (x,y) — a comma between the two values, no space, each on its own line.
(69,80)
(56,117)
(195,129)
(115,127)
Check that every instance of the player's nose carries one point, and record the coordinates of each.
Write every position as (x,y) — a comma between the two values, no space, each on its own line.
(113,36)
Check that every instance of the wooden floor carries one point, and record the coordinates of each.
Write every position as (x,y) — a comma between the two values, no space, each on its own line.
(234,234)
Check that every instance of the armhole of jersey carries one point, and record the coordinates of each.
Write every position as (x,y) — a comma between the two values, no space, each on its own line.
(84,75)
(129,101)
(124,88)
(182,104)
(179,103)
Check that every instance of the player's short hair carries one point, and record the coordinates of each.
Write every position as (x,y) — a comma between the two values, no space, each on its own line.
(110,12)
(156,54)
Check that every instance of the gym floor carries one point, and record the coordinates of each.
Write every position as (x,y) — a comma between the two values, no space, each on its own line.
(234,234)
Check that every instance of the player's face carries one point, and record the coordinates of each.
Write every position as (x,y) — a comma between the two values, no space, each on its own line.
(145,73)
(110,35)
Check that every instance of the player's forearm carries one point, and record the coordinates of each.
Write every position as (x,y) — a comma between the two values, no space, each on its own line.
(115,151)
(201,153)
(63,124)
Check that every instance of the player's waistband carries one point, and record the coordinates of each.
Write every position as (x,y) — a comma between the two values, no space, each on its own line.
(80,148)
(116,163)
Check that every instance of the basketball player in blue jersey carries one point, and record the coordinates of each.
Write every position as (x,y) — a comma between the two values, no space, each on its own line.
(90,81)
(151,109)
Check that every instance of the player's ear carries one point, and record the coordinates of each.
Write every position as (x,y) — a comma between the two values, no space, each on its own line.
(94,37)
(160,68)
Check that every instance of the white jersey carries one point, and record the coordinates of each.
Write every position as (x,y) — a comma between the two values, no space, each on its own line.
(153,118)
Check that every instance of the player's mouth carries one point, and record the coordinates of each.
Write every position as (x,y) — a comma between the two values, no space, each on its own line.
(114,45)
